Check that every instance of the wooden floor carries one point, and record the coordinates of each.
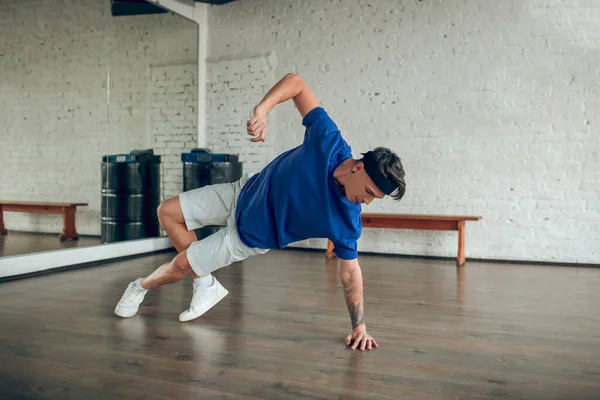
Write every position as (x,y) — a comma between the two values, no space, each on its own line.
(17,243)
(489,332)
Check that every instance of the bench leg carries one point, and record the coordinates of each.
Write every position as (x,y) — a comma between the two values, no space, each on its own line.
(460,259)
(460,285)
(330,247)
(3,230)
(69,232)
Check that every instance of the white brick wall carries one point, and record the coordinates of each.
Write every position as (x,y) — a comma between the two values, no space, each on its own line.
(56,117)
(493,106)
(233,85)
(173,119)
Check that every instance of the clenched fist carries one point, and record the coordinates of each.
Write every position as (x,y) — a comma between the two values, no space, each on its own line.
(257,126)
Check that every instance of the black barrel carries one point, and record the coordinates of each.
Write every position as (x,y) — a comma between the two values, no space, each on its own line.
(201,168)
(130,196)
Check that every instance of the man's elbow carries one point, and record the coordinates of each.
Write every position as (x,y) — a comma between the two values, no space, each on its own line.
(296,79)
(349,266)
(292,75)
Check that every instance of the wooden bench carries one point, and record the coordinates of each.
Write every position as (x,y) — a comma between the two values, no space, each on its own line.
(66,209)
(428,222)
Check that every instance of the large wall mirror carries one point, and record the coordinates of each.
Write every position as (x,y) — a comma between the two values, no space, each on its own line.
(84,101)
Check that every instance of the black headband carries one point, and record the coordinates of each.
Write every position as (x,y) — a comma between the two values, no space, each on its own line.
(383,183)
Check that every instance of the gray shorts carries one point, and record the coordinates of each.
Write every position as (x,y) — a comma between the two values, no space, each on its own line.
(215,205)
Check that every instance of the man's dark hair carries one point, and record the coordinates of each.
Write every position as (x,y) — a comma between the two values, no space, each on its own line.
(391,166)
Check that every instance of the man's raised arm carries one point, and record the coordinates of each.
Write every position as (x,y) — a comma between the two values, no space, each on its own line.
(291,86)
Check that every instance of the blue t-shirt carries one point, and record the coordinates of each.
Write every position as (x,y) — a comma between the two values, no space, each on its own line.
(295,197)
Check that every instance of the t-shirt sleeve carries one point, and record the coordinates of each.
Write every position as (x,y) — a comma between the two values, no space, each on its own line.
(346,249)
(319,125)
(346,245)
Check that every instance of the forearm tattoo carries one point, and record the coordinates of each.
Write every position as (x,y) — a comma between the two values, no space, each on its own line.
(354,301)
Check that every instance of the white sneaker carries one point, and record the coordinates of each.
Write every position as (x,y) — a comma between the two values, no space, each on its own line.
(203,299)
(130,301)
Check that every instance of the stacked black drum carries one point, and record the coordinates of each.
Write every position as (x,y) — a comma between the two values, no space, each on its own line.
(130,196)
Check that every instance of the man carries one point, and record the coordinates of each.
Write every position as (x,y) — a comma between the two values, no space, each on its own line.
(312,191)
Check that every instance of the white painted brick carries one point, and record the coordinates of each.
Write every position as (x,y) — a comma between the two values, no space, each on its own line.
(229,107)
(173,105)
(500,125)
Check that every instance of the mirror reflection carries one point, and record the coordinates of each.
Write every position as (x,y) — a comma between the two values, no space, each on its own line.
(98,115)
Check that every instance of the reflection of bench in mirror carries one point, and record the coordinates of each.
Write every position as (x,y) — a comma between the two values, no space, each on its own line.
(427,222)
(69,231)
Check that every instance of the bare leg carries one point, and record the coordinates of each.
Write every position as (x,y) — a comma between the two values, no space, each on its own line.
(170,272)
(172,221)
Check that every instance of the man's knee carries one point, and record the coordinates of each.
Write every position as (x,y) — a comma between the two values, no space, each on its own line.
(170,212)
(181,263)
(162,213)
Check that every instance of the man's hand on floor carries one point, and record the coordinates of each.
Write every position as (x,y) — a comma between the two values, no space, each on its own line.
(360,339)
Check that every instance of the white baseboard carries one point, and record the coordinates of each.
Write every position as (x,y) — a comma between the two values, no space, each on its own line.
(47,260)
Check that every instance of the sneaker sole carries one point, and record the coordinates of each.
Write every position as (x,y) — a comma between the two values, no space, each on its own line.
(189,317)
(123,314)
